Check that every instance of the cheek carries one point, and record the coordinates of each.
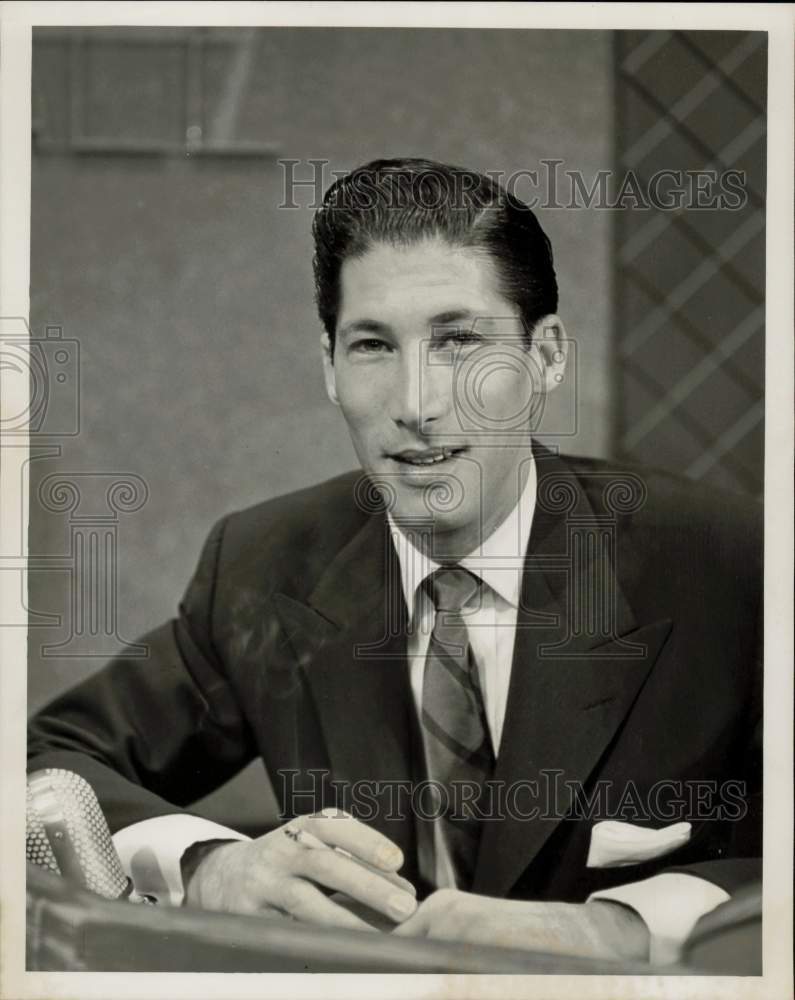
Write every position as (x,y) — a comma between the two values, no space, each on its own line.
(506,393)
(361,400)
(499,382)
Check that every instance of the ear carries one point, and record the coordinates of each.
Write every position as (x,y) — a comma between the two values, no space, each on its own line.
(552,349)
(329,373)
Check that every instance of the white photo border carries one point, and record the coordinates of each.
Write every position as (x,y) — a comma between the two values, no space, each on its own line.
(16,22)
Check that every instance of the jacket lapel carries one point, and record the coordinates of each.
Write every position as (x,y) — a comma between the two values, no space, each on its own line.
(350,641)
(578,666)
(579,662)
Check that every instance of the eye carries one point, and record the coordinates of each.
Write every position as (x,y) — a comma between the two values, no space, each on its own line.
(369,345)
(459,338)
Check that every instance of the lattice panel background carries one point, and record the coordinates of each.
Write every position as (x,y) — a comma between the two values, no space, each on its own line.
(690,282)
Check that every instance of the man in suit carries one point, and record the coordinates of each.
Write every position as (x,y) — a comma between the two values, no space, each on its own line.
(530,684)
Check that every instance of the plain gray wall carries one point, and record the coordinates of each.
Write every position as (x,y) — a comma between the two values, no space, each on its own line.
(190,291)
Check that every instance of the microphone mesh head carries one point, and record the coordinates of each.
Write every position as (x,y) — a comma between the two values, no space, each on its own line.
(37,846)
(64,798)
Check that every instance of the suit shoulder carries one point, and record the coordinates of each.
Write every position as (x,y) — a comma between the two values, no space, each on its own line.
(289,537)
(666,487)
(666,499)
(307,500)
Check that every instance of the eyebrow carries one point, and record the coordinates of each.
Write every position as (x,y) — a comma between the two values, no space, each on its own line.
(363,326)
(376,326)
(453,316)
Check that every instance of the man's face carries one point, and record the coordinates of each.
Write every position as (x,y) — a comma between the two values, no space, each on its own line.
(434,378)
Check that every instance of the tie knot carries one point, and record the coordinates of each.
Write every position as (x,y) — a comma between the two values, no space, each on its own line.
(451,588)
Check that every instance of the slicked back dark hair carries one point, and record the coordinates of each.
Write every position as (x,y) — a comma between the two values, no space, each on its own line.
(400,202)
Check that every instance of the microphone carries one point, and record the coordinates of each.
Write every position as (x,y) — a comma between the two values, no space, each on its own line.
(66,832)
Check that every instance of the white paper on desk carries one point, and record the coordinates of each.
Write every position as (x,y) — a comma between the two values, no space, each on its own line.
(615,844)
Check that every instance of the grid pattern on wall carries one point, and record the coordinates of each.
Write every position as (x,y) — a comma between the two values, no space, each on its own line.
(690,279)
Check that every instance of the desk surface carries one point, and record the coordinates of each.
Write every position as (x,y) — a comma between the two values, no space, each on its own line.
(69,929)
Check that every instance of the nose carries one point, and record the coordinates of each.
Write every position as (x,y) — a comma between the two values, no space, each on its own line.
(421,395)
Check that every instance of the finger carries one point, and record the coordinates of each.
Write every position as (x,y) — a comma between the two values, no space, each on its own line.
(335,871)
(393,877)
(307,903)
(266,910)
(376,920)
(342,830)
(306,839)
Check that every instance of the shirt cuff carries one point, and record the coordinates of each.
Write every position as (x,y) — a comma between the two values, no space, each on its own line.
(670,904)
(150,851)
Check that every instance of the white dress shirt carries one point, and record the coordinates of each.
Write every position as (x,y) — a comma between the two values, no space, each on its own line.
(669,903)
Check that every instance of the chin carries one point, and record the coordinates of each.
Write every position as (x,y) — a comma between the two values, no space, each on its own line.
(430,510)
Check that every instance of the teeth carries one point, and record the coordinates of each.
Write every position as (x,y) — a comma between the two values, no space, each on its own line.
(432,459)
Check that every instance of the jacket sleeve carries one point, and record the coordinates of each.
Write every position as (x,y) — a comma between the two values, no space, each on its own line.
(739,859)
(153,734)
(669,902)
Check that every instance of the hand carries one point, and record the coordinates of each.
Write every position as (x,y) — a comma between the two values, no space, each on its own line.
(599,929)
(276,874)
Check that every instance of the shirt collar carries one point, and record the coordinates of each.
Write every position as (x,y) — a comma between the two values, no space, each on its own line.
(498,562)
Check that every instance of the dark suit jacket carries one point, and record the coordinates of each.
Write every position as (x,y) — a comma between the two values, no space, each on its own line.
(636,662)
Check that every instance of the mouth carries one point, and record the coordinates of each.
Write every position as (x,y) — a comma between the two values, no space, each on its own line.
(423,457)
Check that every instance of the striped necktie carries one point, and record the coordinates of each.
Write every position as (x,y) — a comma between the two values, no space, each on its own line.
(457,741)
